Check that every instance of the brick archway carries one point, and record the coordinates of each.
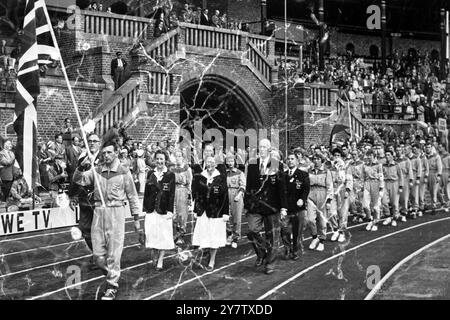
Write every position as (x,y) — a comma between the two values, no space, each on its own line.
(243,92)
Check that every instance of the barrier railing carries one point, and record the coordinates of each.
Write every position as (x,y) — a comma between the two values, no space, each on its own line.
(257,58)
(321,95)
(160,83)
(114,24)
(209,37)
(261,42)
(164,46)
(118,106)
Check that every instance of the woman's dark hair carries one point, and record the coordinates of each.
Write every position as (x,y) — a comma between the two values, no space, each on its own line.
(161,152)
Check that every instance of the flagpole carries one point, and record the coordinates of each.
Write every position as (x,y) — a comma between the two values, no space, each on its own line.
(80,122)
(350,121)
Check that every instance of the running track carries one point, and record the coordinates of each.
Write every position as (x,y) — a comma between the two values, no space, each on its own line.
(41,266)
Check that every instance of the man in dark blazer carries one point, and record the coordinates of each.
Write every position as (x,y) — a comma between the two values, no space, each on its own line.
(204,19)
(264,200)
(73,152)
(297,190)
(118,66)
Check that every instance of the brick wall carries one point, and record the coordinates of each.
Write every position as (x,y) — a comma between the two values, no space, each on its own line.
(154,125)
(55,104)
(362,44)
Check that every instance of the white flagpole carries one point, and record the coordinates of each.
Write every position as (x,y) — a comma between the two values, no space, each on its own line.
(80,122)
(350,121)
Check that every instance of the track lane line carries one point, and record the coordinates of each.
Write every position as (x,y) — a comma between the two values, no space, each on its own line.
(274,290)
(380,283)
(226,266)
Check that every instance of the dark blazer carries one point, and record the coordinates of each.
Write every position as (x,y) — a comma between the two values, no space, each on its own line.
(72,156)
(159,196)
(211,198)
(114,65)
(297,187)
(204,20)
(265,194)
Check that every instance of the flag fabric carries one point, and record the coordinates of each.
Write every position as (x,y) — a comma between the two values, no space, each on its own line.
(38,49)
(342,123)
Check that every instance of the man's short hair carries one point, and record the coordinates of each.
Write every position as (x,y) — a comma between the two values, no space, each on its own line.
(58,135)
(111,143)
(118,53)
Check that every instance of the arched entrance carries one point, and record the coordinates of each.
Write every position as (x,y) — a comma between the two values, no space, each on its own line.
(219,103)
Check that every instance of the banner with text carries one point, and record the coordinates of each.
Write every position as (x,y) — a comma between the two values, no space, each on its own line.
(40,219)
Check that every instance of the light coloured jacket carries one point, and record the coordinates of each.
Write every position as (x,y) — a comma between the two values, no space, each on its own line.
(116,184)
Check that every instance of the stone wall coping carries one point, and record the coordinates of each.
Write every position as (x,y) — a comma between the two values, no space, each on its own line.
(114,15)
(78,84)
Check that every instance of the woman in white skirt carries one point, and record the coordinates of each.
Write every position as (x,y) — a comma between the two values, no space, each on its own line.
(159,197)
(210,193)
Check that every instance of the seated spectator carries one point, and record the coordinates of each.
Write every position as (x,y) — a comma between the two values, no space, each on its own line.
(7,161)
(43,162)
(57,176)
(20,195)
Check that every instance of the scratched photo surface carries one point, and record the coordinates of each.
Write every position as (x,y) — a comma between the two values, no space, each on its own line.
(270,149)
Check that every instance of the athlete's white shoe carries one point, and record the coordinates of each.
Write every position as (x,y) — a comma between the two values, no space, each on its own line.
(403,218)
(419,214)
(313,244)
(387,221)
(341,237)
(369,226)
(394,223)
(320,247)
(374,228)
(335,236)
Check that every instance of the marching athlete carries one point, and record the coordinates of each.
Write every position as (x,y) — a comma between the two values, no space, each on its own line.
(236,183)
(435,173)
(265,199)
(408,181)
(211,206)
(108,226)
(159,198)
(423,180)
(444,195)
(342,186)
(373,180)
(393,179)
(319,202)
(297,190)
(355,169)
(416,165)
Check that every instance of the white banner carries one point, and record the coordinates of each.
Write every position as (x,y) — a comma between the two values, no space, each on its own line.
(40,219)
(36,220)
